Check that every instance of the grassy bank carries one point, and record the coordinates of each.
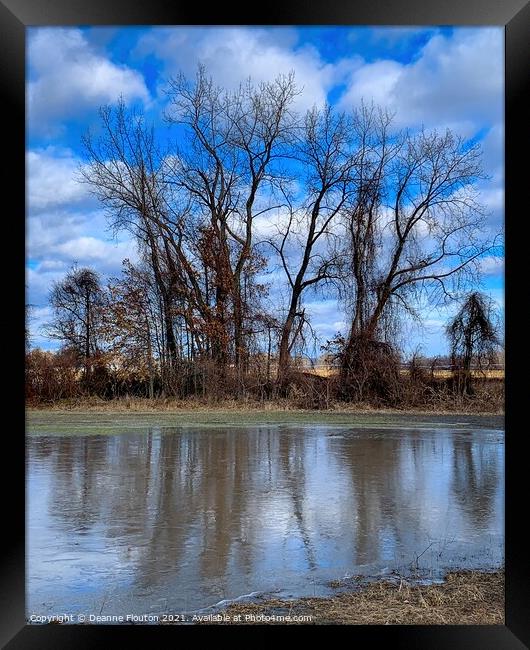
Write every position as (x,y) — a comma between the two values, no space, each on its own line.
(457,406)
(142,405)
(464,598)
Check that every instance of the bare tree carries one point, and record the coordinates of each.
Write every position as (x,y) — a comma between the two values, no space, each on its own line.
(192,208)
(229,168)
(124,170)
(327,164)
(473,338)
(77,303)
(414,225)
(380,217)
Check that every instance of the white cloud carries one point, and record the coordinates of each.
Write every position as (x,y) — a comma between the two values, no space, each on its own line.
(493,198)
(326,318)
(373,82)
(55,254)
(232,54)
(55,239)
(52,266)
(65,225)
(39,284)
(457,82)
(107,255)
(491,265)
(51,179)
(49,229)
(37,318)
(68,76)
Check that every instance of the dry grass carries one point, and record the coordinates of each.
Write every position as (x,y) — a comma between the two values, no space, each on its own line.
(488,405)
(171,405)
(477,374)
(465,598)
(438,373)
(416,396)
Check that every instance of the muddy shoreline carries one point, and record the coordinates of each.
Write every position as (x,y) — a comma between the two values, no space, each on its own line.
(464,598)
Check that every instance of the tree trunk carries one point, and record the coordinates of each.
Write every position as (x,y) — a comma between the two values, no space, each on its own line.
(87,335)
(284,355)
(219,334)
(171,341)
(150,360)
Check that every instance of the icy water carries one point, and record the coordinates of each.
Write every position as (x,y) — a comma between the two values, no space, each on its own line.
(178,519)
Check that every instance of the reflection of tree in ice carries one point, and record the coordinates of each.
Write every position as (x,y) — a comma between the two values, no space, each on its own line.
(223,510)
(475,480)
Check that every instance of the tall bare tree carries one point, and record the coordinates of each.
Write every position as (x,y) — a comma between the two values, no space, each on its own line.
(124,170)
(414,225)
(229,167)
(327,165)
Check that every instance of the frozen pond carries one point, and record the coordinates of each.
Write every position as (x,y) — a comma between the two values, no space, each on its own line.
(178,519)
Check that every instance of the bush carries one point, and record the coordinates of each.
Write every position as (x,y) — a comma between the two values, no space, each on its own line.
(51,377)
(371,372)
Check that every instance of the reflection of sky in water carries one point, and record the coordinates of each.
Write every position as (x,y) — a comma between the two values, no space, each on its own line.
(188,517)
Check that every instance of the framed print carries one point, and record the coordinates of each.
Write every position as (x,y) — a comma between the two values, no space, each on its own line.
(266,374)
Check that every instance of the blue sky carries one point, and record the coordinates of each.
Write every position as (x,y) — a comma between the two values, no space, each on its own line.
(437,77)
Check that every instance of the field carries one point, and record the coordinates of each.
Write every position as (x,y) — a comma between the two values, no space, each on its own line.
(438,373)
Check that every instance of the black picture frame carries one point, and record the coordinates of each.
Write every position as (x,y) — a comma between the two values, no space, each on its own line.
(15,16)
